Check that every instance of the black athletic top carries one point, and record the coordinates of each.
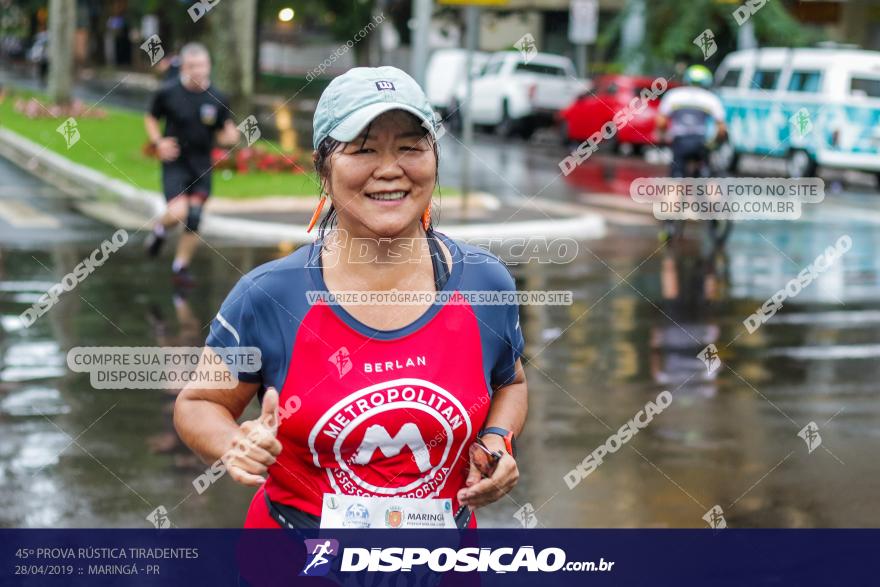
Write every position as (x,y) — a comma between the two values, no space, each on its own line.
(191,117)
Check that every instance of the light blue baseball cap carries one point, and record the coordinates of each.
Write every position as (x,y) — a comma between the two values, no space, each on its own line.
(359,95)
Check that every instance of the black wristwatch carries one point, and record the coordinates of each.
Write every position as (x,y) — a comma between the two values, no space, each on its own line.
(507,435)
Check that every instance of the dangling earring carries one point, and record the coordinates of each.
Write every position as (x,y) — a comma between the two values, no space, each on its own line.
(426,218)
(317,213)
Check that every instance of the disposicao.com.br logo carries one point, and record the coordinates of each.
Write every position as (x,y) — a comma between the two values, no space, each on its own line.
(440,560)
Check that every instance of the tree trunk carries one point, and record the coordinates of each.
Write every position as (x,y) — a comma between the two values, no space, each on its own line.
(62,24)
(233,49)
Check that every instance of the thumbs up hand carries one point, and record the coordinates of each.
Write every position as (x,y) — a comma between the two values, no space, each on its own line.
(269,410)
(255,445)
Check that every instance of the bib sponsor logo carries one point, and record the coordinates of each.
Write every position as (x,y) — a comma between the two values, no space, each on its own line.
(373,442)
(357,516)
(394,517)
(383,366)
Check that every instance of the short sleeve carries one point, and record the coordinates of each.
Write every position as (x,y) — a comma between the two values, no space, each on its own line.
(222,112)
(666,104)
(491,289)
(504,370)
(718,108)
(157,107)
(234,326)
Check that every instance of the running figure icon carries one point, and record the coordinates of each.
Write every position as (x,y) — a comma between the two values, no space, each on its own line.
(318,555)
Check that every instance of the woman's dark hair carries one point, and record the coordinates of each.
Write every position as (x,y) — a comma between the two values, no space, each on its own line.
(322,166)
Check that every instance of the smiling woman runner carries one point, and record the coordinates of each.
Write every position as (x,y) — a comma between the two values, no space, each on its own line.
(386,399)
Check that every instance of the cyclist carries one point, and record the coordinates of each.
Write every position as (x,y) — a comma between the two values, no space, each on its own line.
(689,116)
(380,398)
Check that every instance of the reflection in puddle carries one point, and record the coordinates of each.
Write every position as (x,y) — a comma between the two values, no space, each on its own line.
(42,450)
(34,401)
(25,361)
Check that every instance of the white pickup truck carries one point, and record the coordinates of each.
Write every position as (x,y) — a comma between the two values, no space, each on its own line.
(517,92)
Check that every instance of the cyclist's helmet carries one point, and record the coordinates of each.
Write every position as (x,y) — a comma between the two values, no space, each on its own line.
(698,75)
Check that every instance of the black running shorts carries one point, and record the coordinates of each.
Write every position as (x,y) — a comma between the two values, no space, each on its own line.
(185,176)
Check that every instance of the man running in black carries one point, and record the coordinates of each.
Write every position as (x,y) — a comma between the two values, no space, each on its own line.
(193,111)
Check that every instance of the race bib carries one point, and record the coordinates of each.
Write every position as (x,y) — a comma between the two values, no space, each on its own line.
(352,511)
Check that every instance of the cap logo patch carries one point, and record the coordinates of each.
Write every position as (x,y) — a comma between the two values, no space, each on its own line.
(384,85)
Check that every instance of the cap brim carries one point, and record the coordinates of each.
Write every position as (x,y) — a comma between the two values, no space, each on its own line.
(348,130)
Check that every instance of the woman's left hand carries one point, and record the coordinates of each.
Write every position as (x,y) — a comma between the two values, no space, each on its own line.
(479,491)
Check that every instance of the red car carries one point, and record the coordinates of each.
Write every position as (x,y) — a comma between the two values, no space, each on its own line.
(612,93)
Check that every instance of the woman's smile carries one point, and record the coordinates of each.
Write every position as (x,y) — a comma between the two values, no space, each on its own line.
(388,198)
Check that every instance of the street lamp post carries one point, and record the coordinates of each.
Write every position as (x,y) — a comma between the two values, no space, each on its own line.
(420,32)
(472,28)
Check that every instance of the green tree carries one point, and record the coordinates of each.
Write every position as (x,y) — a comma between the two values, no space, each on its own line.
(677,28)
(673,26)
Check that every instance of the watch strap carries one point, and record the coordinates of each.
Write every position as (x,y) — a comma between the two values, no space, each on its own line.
(507,435)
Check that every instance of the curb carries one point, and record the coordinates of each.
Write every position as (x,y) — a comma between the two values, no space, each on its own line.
(121,204)
(106,199)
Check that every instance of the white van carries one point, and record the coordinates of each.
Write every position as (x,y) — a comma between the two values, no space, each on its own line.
(818,106)
(444,73)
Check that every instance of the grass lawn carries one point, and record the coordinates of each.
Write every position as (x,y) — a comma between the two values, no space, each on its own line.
(113,146)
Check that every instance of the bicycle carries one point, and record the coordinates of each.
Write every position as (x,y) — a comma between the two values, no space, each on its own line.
(697,166)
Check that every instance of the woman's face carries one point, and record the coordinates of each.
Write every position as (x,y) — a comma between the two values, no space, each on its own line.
(382,181)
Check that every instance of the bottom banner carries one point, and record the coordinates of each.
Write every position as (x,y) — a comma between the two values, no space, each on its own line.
(424,558)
